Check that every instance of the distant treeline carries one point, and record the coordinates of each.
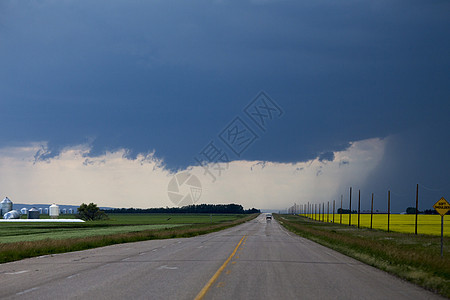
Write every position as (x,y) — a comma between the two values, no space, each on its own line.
(412,210)
(345,211)
(190,209)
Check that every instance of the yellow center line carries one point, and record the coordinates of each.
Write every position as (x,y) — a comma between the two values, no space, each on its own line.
(216,275)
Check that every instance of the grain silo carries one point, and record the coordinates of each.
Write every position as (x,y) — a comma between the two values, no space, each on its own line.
(33,213)
(53,211)
(6,205)
(24,211)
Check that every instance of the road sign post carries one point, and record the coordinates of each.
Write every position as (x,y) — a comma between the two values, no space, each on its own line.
(442,207)
(442,236)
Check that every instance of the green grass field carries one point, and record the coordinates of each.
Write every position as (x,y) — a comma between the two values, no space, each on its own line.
(426,224)
(48,232)
(117,223)
(22,240)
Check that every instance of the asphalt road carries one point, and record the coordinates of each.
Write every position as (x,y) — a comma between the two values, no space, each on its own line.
(255,260)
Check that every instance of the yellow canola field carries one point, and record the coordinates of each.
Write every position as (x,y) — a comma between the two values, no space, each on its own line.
(427,224)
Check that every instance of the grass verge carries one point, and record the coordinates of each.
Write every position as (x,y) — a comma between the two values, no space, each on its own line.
(415,258)
(25,249)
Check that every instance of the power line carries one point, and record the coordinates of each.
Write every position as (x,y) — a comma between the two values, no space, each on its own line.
(434,189)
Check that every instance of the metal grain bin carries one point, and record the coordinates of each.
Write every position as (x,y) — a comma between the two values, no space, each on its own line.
(53,211)
(33,213)
(6,205)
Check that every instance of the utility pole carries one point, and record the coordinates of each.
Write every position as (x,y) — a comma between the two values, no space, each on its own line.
(328,212)
(371,213)
(417,205)
(350,209)
(389,208)
(333,208)
(359,206)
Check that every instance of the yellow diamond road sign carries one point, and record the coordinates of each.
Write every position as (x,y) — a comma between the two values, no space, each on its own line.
(442,206)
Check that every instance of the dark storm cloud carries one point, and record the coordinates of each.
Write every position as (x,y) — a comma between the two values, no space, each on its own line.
(170,76)
(417,156)
(326,156)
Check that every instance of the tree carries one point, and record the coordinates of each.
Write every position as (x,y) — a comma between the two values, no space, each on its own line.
(411,210)
(90,212)
(190,209)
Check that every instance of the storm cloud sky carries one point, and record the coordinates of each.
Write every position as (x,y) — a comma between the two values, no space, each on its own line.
(166,77)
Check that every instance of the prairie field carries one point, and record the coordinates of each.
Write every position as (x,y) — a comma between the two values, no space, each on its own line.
(22,240)
(426,224)
(117,223)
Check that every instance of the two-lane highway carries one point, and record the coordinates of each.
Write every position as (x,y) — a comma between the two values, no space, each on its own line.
(255,260)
